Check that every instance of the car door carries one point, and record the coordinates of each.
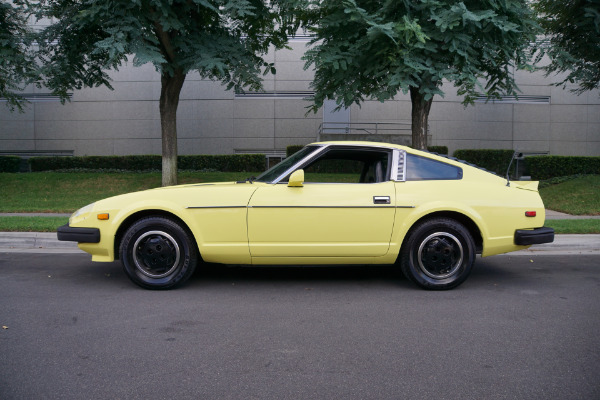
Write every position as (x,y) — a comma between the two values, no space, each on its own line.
(344,214)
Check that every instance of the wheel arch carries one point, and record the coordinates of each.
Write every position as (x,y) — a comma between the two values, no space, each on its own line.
(131,219)
(465,220)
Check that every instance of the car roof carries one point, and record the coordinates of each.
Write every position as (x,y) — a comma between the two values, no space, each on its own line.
(401,147)
(361,143)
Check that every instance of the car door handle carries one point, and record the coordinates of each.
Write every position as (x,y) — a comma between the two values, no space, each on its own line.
(381,199)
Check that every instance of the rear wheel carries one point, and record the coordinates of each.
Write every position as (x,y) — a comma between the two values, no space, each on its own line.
(158,253)
(438,254)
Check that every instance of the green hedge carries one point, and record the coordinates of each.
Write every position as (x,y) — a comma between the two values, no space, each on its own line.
(9,163)
(545,167)
(294,148)
(224,163)
(438,149)
(128,163)
(493,160)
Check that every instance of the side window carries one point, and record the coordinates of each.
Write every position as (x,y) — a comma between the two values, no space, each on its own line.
(421,168)
(347,165)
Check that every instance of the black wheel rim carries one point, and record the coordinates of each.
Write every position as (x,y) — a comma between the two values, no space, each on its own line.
(156,254)
(440,255)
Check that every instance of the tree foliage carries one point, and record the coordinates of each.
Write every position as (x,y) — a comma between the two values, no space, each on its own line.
(17,66)
(372,49)
(572,29)
(223,40)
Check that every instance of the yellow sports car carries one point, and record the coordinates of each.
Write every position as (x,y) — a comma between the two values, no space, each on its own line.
(329,203)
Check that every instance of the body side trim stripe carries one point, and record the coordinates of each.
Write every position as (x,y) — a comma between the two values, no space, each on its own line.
(192,207)
(321,207)
(210,207)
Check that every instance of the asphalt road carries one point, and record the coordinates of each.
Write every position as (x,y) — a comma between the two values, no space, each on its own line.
(521,327)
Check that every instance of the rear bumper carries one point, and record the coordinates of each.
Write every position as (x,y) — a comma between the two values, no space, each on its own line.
(526,237)
(66,233)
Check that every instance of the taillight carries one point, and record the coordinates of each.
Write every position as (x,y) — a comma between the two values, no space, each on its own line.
(530,213)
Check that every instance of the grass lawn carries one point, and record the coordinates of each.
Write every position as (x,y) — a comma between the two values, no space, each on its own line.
(579,196)
(31,224)
(64,192)
(567,226)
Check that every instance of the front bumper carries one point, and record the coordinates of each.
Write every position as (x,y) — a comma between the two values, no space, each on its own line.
(525,237)
(67,233)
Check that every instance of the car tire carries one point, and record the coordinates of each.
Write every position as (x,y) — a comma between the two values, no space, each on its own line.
(158,253)
(438,254)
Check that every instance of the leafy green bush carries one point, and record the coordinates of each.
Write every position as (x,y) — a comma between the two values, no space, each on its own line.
(224,163)
(493,160)
(10,163)
(545,167)
(128,163)
(438,149)
(294,148)
(558,179)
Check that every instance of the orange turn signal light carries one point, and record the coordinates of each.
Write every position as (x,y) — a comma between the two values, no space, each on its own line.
(530,213)
(103,216)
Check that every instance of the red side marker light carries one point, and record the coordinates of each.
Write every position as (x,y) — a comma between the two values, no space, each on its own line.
(530,213)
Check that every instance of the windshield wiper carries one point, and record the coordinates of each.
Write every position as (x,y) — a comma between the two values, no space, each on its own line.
(250,179)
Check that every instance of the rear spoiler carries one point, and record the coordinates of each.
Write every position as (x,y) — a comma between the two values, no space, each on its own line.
(527,185)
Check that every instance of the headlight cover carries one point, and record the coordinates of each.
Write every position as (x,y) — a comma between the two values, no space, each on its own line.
(81,214)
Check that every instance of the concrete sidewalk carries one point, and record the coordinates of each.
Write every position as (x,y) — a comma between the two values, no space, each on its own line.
(36,242)
(550,214)
(32,242)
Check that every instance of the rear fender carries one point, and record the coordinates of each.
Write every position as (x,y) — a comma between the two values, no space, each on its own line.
(407,218)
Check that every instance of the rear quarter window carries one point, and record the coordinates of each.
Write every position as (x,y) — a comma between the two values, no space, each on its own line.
(421,168)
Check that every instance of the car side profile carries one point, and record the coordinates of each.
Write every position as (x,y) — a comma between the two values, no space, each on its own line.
(330,203)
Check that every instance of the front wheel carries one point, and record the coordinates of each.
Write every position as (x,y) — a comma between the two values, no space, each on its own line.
(438,254)
(158,253)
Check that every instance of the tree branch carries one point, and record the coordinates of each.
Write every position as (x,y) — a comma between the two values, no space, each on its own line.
(165,41)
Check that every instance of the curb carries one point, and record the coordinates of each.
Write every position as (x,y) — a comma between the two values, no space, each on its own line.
(32,242)
(37,242)
(564,245)
(550,214)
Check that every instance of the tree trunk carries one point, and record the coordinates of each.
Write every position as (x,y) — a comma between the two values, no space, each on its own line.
(169,101)
(420,118)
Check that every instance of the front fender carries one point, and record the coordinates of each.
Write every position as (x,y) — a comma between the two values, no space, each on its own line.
(118,214)
(215,214)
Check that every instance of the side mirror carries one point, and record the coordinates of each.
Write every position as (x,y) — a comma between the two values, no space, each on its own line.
(296,178)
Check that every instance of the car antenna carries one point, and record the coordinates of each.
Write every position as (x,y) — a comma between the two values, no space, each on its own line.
(515,154)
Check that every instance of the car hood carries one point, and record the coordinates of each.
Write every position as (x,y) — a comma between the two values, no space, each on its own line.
(224,194)
(195,185)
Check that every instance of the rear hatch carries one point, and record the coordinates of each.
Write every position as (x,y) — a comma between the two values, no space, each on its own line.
(526,185)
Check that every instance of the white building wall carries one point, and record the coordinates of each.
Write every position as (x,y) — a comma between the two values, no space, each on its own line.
(99,121)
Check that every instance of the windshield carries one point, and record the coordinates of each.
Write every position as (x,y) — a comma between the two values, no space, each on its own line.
(273,173)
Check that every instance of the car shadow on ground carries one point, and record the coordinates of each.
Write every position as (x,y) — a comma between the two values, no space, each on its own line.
(485,272)
(313,273)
